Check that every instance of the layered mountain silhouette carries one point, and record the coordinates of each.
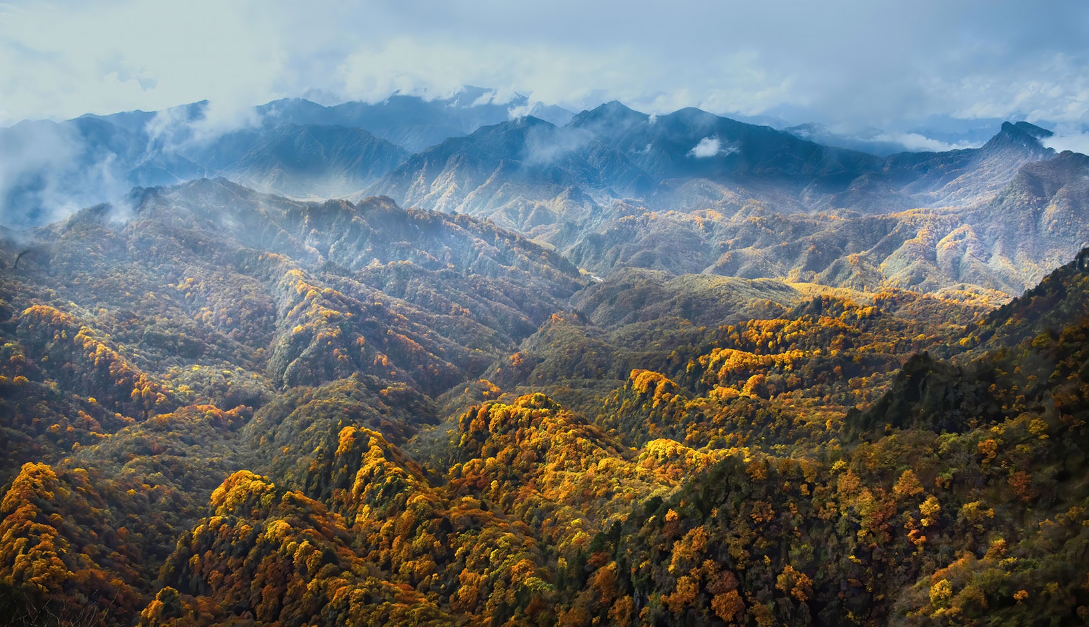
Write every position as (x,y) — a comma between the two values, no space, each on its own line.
(309,161)
(293,147)
(617,188)
(1005,242)
(694,160)
(412,122)
(687,192)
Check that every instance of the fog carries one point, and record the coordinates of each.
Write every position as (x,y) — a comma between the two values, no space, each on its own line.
(843,62)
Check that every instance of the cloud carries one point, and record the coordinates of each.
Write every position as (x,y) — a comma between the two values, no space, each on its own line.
(485,98)
(912,142)
(29,156)
(880,64)
(522,111)
(707,147)
(179,129)
(494,97)
(1076,142)
(47,172)
(546,144)
(710,147)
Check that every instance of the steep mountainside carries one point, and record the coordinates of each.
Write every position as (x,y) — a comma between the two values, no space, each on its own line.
(211,291)
(690,160)
(695,144)
(691,192)
(525,174)
(960,176)
(318,161)
(220,407)
(1005,244)
(293,147)
(954,498)
(54,168)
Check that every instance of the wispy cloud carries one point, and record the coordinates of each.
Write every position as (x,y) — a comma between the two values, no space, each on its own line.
(916,142)
(546,144)
(178,129)
(710,147)
(48,173)
(1076,142)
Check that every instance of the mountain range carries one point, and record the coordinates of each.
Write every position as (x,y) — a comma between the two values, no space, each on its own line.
(609,188)
(615,188)
(479,361)
(292,146)
(225,407)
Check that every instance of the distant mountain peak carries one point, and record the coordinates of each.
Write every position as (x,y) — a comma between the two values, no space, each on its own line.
(615,106)
(695,114)
(1018,136)
(528,120)
(1031,129)
(472,96)
(609,118)
(467,95)
(807,130)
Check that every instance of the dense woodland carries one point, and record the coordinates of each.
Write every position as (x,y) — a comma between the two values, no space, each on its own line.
(227,408)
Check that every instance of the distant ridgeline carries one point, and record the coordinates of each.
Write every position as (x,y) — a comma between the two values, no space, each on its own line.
(222,407)
(609,188)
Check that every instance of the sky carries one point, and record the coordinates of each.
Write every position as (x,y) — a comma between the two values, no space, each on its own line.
(888,65)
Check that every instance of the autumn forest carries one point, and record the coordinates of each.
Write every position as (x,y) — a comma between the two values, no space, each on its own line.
(231,408)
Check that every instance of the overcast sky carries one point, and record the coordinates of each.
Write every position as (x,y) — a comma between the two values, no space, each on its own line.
(867,62)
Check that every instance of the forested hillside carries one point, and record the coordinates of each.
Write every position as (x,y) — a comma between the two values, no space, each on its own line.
(219,407)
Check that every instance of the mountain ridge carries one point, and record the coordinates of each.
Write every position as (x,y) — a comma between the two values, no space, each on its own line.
(638,156)
(221,406)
